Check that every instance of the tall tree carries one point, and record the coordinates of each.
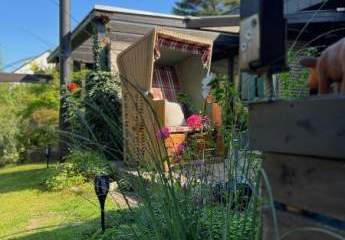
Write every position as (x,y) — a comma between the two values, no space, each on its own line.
(204,7)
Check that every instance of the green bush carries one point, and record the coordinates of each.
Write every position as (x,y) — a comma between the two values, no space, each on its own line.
(66,176)
(94,117)
(80,166)
(103,105)
(89,163)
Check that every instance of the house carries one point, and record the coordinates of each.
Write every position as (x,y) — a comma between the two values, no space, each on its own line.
(25,73)
(39,62)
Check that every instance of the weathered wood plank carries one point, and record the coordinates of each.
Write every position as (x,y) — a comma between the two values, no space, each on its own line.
(311,127)
(313,184)
(217,21)
(127,27)
(85,57)
(289,221)
(159,21)
(125,37)
(323,16)
(291,6)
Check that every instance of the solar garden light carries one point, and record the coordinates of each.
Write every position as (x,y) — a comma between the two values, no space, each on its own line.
(47,153)
(102,183)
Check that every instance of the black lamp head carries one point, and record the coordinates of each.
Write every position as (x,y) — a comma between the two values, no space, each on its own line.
(102,183)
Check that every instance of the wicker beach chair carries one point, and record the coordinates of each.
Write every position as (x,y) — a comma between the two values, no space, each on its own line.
(154,71)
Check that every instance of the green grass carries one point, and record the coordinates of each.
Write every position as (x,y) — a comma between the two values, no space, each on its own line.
(29,211)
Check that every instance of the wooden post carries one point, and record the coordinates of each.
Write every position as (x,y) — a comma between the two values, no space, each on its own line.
(65,69)
(104,41)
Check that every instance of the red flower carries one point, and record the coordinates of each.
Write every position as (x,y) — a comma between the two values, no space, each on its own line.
(163,133)
(72,86)
(195,121)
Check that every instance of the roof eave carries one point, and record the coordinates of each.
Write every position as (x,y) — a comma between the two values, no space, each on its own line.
(81,27)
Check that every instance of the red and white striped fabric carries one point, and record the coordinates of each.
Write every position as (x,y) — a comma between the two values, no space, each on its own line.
(164,42)
(165,78)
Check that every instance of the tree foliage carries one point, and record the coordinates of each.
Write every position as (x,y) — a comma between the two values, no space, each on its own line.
(28,117)
(204,7)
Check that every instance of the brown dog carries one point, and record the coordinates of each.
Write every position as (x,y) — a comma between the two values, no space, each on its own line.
(327,69)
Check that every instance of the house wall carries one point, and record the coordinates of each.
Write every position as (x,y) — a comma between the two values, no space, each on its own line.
(116,48)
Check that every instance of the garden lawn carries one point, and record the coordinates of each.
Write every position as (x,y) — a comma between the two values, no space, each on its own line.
(29,211)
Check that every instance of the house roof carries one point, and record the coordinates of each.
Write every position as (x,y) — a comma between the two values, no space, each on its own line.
(135,12)
(129,25)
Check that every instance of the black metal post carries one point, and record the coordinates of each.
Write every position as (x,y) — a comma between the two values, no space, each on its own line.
(102,184)
(65,68)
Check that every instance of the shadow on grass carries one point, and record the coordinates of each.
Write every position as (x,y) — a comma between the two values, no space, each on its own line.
(24,180)
(76,231)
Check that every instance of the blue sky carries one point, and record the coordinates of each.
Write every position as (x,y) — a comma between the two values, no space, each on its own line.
(29,27)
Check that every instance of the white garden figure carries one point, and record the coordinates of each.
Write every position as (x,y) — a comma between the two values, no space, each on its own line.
(205,88)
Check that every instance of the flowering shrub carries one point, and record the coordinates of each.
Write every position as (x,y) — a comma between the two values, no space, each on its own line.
(195,122)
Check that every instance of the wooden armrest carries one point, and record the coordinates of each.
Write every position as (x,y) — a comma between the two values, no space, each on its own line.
(169,114)
(159,108)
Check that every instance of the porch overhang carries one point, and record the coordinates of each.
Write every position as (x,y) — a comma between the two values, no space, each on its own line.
(24,78)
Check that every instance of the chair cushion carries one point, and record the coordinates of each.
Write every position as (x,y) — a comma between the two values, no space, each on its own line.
(173,114)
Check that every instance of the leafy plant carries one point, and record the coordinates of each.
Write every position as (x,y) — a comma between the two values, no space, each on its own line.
(88,163)
(93,110)
(234,111)
(293,84)
(65,177)
(79,167)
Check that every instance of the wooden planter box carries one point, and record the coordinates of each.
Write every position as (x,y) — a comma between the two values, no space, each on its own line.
(313,127)
(303,145)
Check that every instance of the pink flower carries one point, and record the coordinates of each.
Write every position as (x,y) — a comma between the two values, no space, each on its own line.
(195,121)
(163,133)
